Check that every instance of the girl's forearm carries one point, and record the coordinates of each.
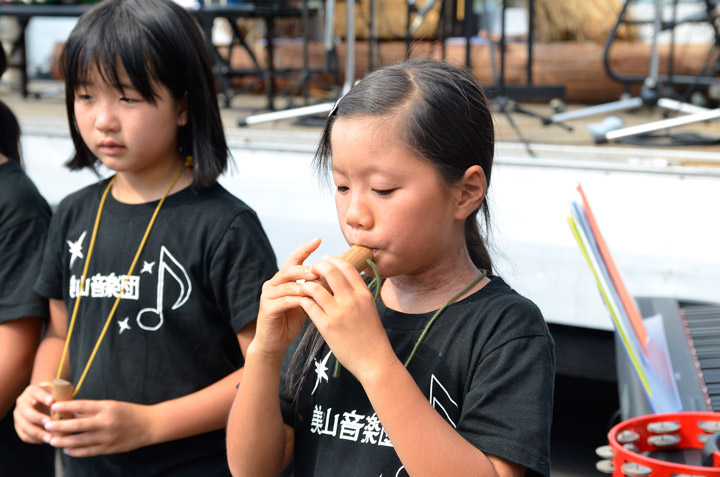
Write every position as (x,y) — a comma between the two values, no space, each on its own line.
(50,350)
(47,359)
(426,444)
(203,411)
(18,344)
(258,441)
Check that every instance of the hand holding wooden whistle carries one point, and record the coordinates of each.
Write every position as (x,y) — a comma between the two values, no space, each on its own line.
(357,256)
(62,390)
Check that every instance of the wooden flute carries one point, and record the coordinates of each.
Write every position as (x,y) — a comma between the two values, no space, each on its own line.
(357,256)
(62,390)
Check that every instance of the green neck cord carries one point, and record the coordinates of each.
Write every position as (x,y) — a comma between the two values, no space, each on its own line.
(378,282)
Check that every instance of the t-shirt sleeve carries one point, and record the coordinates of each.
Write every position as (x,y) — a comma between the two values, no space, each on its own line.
(21,249)
(509,409)
(49,278)
(243,261)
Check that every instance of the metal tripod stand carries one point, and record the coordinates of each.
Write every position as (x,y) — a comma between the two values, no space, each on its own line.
(653,93)
(500,92)
(324,107)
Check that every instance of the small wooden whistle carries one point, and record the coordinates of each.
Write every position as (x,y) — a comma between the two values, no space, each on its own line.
(357,256)
(62,390)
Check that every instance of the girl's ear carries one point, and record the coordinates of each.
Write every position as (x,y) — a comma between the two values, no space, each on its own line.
(470,192)
(183,111)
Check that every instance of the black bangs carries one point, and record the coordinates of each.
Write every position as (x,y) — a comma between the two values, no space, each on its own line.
(107,44)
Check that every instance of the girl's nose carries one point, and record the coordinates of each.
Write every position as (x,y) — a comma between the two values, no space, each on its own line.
(105,118)
(358,214)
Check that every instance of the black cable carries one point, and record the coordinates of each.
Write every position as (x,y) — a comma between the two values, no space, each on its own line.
(614,419)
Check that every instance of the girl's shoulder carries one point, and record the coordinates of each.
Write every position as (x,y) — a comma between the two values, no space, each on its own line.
(499,292)
(214,201)
(214,206)
(81,198)
(77,207)
(20,200)
(216,194)
(498,306)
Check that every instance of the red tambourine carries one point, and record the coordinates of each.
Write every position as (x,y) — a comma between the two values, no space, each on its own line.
(635,445)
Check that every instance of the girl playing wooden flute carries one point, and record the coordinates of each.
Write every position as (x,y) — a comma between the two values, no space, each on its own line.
(448,371)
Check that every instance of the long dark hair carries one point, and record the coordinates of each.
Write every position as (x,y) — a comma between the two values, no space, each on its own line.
(156,42)
(3,61)
(9,134)
(445,120)
(9,127)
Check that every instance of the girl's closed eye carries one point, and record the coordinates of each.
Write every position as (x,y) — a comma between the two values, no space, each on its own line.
(342,189)
(129,100)
(383,192)
(82,96)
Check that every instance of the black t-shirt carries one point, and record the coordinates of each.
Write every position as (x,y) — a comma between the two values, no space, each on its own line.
(196,284)
(24,219)
(486,365)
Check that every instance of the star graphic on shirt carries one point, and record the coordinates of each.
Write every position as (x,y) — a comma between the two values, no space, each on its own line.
(147,267)
(76,248)
(321,370)
(124,324)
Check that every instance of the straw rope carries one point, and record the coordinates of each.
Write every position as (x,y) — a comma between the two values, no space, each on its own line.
(578,20)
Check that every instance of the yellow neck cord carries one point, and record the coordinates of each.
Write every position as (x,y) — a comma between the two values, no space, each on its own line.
(188,163)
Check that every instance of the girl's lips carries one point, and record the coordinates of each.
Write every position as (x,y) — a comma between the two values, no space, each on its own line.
(374,250)
(110,147)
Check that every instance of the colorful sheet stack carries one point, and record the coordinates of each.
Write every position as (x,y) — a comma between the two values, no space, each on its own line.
(643,340)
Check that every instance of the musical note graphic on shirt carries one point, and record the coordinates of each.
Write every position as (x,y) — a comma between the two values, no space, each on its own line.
(440,399)
(152,319)
(400,471)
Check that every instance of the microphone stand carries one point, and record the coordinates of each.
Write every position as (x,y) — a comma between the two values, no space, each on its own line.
(324,107)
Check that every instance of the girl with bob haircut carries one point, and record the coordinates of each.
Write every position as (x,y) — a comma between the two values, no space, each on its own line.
(155,43)
(154,274)
(439,369)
